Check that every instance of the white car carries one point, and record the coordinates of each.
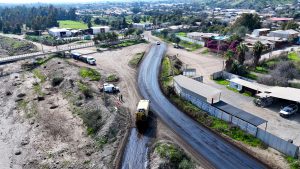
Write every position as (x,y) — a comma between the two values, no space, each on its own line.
(288,110)
(157,43)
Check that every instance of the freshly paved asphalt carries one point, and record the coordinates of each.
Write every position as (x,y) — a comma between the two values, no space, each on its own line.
(217,152)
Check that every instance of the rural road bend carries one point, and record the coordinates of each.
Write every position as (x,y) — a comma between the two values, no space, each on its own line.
(218,152)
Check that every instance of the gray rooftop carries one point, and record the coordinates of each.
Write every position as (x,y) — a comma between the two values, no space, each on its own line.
(241,114)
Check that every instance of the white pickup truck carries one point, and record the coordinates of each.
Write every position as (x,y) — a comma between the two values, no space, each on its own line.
(109,88)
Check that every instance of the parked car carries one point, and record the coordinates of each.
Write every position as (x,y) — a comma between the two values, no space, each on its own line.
(157,43)
(288,110)
(263,102)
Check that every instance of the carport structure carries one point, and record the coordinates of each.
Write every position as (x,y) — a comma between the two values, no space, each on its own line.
(286,93)
(249,119)
(263,91)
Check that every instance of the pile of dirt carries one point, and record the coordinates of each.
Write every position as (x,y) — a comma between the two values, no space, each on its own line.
(13,46)
(51,117)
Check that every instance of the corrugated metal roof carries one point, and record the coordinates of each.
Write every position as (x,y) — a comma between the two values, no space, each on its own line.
(251,85)
(286,93)
(241,114)
(197,87)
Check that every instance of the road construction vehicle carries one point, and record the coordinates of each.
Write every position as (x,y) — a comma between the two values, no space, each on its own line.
(142,111)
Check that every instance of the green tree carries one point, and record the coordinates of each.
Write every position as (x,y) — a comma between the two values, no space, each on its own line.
(257,51)
(97,21)
(290,25)
(136,19)
(129,32)
(241,52)
(165,33)
(139,32)
(250,21)
(229,60)
(89,25)
(136,10)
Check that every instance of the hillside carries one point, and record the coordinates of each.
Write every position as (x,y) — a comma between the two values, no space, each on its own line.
(245,3)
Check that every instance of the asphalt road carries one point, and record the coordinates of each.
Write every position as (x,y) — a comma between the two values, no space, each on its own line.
(217,152)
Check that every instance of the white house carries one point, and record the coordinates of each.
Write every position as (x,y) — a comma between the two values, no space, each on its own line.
(100,29)
(59,32)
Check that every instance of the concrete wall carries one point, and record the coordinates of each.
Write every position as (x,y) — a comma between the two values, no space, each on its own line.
(273,141)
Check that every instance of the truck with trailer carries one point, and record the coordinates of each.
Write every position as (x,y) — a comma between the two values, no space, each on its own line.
(87,59)
(142,111)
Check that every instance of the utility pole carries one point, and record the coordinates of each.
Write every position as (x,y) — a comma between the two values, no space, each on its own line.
(41,41)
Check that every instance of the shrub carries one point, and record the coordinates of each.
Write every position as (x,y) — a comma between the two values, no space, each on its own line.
(283,72)
(92,119)
(92,74)
(86,90)
(175,156)
(112,78)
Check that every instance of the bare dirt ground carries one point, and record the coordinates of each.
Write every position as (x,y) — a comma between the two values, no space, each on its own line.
(10,46)
(116,62)
(206,64)
(43,126)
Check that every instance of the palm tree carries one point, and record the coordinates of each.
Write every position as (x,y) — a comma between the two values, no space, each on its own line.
(241,52)
(229,60)
(257,50)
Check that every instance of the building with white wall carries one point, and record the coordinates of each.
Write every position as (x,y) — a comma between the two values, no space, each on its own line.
(59,32)
(100,29)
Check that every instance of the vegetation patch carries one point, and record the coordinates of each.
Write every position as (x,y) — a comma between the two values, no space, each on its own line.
(37,73)
(29,109)
(112,78)
(135,61)
(72,24)
(175,157)
(92,74)
(222,82)
(293,56)
(183,34)
(13,46)
(85,89)
(190,46)
(165,72)
(251,76)
(205,51)
(101,142)
(261,69)
(293,163)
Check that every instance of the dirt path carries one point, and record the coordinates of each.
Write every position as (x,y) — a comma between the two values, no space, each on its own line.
(116,62)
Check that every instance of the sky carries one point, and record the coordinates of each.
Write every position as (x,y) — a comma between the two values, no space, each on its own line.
(49,1)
